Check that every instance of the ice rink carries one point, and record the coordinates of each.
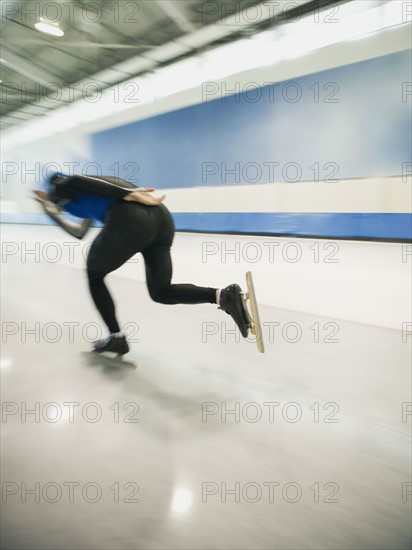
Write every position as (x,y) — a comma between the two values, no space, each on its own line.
(207,443)
(278,134)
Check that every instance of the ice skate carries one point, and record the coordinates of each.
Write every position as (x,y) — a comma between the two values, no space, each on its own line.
(231,301)
(114,344)
(110,351)
(235,303)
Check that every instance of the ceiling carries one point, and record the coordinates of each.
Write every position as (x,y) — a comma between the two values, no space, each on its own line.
(110,41)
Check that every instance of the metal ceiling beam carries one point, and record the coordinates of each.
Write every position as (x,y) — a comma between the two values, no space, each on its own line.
(25,67)
(189,42)
(176,14)
(85,44)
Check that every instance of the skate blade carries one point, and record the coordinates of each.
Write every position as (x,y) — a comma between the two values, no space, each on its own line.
(118,361)
(255,327)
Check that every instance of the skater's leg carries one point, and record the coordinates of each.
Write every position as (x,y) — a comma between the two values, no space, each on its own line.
(107,253)
(159,276)
(128,230)
(103,300)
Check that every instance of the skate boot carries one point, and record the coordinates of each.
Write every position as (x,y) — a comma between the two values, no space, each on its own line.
(231,301)
(114,344)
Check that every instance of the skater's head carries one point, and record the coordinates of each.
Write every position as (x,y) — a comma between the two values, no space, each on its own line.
(53,191)
(57,193)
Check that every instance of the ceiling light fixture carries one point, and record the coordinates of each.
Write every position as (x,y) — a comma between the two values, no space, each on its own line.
(49,27)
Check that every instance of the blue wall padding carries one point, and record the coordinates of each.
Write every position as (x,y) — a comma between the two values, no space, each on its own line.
(364,226)
(366,132)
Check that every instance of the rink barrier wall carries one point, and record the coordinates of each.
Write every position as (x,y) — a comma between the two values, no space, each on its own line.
(385,227)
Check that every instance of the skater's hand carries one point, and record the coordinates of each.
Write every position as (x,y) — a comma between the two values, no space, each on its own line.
(41,196)
(44,200)
(144,197)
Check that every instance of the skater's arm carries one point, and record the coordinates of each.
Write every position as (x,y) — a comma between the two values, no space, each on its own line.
(75,230)
(143,197)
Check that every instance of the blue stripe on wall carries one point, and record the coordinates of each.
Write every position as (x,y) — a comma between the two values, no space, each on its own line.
(373,226)
(349,226)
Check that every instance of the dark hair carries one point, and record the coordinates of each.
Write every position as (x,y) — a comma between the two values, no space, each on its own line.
(58,190)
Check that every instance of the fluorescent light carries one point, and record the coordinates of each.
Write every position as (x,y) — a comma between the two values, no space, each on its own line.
(5,362)
(182,500)
(48,27)
(233,58)
(355,21)
(182,75)
(393,14)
